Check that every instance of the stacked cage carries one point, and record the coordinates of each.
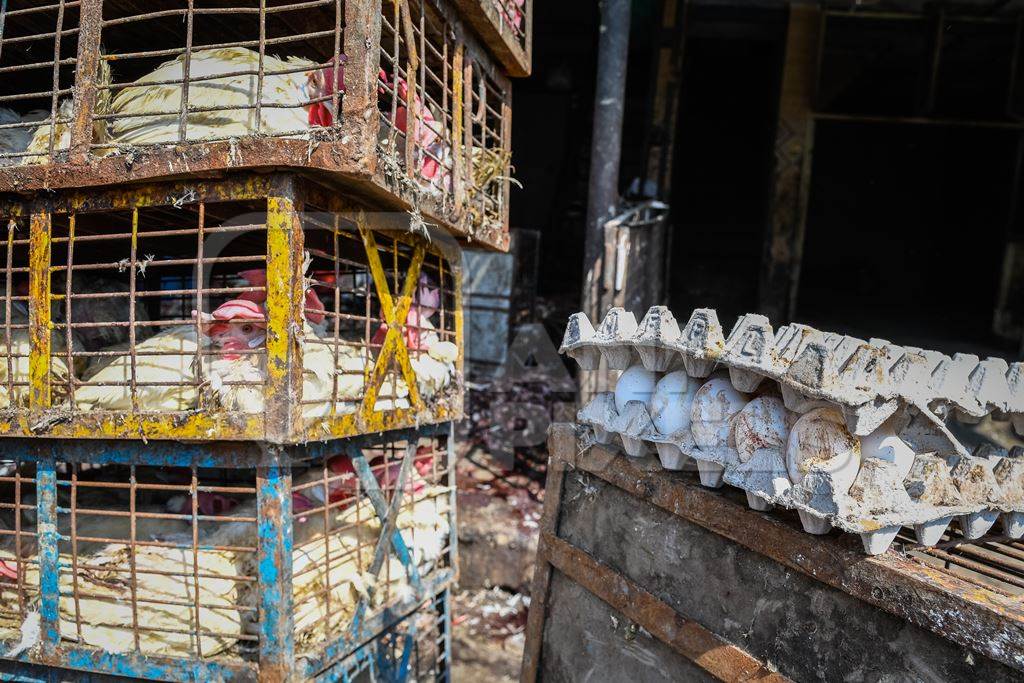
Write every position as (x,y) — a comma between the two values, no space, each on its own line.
(231,332)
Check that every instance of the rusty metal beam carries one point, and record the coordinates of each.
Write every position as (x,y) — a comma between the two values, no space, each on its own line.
(605,147)
(714,654)
(984,621)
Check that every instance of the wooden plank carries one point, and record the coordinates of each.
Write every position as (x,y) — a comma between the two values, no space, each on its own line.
(984,621)
(714,654)
(561,441)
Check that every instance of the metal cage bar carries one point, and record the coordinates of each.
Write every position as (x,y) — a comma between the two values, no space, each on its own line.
(282,476)
(173,237)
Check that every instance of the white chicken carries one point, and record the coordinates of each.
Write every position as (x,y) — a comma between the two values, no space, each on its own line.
(236,380)
(288,101)
(39,144)
(164,366)
(14,361)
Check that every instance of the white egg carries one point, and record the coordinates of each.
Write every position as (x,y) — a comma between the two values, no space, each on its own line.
(714,406)
(884,444)
(671,403)
(635,384)
(820,440)
(763,423)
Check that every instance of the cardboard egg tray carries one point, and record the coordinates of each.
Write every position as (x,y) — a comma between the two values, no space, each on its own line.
(873,383)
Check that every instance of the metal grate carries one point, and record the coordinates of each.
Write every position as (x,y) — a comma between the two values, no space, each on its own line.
(184,71)
(488,160)
(514,20)
(992,563)
(416,91)
(161,309)
(165,561)
(339,543)
(38,57)
(417,648)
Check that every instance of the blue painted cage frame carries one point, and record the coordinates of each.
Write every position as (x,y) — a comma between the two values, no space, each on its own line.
(288,628)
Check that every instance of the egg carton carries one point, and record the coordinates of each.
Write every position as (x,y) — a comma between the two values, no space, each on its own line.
(870,381)
(634,430)
(975,492)
(657,341)
(873,383)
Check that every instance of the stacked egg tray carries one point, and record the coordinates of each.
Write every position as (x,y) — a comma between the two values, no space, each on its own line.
(852,434)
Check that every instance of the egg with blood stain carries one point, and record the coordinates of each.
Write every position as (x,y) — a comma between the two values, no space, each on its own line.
(715,405)
(820,441)
(884,444)
(763,423)
(672,400)
(635,384)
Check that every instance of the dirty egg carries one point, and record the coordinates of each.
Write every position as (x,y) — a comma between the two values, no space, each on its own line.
(672,402)
(819,440)
(635,384)
(763,423)
(714,406)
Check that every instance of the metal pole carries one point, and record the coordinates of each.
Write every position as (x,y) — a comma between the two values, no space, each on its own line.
(605,146)
(605,153)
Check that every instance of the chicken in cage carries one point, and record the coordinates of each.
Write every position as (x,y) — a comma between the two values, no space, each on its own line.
(269,82)
(164,561)
(162,309)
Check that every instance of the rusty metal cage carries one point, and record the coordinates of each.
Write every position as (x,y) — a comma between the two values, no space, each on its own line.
(507,28)
(261,307)
(382,94)
(223,563)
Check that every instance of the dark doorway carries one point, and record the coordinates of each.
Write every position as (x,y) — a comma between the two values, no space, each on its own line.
(905,232)
(723,157)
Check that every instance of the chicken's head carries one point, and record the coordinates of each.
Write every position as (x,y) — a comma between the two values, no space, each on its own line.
(237,325)
(313,307)
(323,83)
(428,296)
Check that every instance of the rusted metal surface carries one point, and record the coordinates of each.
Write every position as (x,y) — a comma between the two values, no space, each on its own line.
(983,620)
(492,20)
(344,151)
(285,291)
(266,494)
(346,260)
(561,438)
(717,656)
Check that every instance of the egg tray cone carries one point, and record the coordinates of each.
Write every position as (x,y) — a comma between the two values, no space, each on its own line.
(872,383)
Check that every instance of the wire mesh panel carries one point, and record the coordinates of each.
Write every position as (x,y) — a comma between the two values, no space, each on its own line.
(181,71)
(417,648)
(173,87)
(416,94)
(346,566)
(217,312)
(38,57)
(169,562)
(488,161)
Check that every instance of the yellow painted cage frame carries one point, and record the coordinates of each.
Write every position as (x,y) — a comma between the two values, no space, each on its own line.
(286,194)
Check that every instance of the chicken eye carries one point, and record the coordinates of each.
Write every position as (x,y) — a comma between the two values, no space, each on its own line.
(247,329)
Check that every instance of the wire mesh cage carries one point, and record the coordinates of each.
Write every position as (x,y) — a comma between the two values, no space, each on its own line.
(507,28)
(257,308)
(116,565)
(112,90)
